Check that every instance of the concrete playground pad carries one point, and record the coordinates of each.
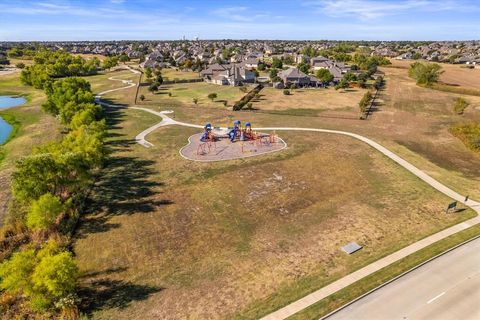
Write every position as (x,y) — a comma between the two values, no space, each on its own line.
(222,149)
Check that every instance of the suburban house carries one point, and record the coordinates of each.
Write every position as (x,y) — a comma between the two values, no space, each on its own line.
(293,76)
(337,69)
(251,63)
(227,74)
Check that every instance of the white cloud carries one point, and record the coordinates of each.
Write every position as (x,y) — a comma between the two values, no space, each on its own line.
(371,9)
(233,13)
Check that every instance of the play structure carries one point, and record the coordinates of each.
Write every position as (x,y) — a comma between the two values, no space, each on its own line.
(238,141)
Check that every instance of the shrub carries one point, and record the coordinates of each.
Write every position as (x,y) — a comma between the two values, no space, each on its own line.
(460,105)
(212,96)
(20,65)
(142,97)
(469,133)
(286,92)
(425,73)
(195,101)
(43,212)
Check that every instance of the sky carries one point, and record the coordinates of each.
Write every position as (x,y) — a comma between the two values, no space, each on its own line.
(58,20)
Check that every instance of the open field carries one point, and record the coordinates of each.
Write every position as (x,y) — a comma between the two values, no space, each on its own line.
(168,244)
(321,99)
(172,238)
(453,74)
(177,74)
(35,128)
(101,83)
(183,93)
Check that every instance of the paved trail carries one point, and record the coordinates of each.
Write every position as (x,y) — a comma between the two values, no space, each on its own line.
(324,292)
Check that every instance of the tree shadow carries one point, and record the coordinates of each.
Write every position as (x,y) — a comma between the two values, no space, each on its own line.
(124,185)
(104,293)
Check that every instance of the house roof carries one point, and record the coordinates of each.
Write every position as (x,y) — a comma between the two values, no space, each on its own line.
(292,73)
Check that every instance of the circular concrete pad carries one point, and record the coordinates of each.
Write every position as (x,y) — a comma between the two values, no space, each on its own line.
(223,149)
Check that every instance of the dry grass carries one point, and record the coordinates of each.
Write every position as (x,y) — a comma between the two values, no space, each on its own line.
(177,74)
(317,99)
(176,239)
(453,74)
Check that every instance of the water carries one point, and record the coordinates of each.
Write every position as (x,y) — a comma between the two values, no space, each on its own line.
(7,102)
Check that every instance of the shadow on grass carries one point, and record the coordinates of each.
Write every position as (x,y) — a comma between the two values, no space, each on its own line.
(102,294)
(124,185)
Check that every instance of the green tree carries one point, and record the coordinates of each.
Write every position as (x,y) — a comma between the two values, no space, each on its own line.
(343,84)
(153,87)
(109,62)
(53,278)
(277,63)
(379,83)
(304,67)
(212,96)
(20,65)
(123,58)
(15,272)
(142,97)
(148,72)
(324,75)
(43,212)
(195,101)
(67,96)
(425,73)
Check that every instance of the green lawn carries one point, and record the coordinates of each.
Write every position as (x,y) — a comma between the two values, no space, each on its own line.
(182,94)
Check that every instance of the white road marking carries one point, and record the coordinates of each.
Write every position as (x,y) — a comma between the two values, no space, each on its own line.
(435,298)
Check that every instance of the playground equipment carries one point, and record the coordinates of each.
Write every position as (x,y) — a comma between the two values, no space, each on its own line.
(236,131)
(208,140)
(250,139)
(207,134)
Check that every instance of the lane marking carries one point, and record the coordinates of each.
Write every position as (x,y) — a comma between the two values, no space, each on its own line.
(435,298)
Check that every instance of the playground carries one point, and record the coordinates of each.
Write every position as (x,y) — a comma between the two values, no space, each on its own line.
(218,144)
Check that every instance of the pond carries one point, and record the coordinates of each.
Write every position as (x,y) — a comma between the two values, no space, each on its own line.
(7,102)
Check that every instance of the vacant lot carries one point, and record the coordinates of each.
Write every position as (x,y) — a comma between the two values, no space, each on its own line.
(176,239)
(317,99)
(182,94)
(177,74)
(453,74)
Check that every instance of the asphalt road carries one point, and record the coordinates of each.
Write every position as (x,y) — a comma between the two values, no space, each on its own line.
(447,288)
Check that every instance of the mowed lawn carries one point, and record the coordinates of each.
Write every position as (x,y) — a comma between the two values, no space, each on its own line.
(172,74)
(182,94)
(320,99)
(169,238)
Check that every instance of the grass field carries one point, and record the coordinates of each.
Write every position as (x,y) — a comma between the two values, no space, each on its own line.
(340,101)
(167,238)
(184,93)
(181,239)
(177,74)
(453,74)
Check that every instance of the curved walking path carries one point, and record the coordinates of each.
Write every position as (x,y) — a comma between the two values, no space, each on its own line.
(341,283)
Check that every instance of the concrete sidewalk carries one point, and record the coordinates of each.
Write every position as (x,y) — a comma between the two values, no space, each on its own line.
(324,292)
(369,269)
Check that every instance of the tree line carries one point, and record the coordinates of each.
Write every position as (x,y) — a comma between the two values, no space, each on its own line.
(38,275)
(49,65)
